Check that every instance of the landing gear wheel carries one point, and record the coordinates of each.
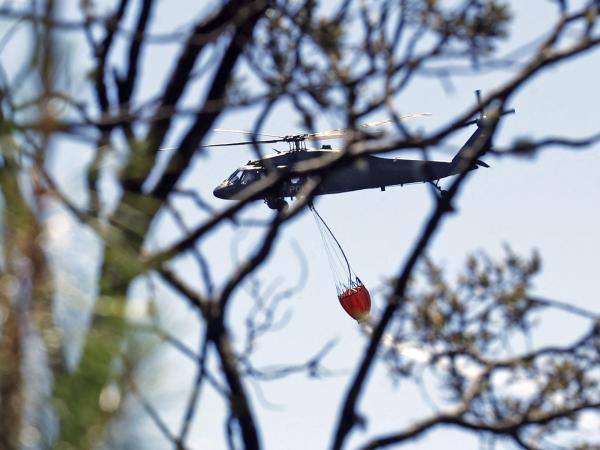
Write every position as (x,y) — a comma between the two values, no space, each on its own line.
(276,203)
(436,185)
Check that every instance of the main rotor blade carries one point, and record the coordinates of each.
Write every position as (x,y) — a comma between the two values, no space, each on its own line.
(386,121)
(227,130)
(340,133)
(268,141)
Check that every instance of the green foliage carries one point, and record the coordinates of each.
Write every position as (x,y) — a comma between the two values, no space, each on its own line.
(476,27)
(476,337)
(489,300)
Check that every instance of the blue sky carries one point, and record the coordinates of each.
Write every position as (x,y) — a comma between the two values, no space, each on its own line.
(548,203)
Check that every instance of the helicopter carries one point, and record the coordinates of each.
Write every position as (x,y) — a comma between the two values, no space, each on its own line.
(368,173)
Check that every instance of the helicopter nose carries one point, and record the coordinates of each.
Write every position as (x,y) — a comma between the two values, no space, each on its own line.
(219,192)
(225,191)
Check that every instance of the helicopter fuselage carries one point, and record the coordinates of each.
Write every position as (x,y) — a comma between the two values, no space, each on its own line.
(365,173)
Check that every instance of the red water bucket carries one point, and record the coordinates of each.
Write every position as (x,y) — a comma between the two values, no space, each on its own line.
(356,301)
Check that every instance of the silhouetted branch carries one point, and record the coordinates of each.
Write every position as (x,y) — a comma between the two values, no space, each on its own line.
(348,62)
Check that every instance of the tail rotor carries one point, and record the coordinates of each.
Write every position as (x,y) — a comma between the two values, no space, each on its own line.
(479,121)
(481,134)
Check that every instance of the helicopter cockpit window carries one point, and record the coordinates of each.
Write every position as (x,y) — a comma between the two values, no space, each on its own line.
(235,176)
(248,176)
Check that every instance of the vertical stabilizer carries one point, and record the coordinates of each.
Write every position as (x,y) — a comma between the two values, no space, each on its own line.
(478,143)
